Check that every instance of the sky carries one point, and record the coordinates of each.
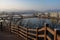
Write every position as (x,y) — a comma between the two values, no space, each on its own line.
(29,4)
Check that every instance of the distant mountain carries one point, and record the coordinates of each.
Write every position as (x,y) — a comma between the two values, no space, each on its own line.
(27,11)
(53,10)
(19,11)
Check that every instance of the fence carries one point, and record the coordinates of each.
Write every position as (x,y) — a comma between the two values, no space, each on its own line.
(35,34)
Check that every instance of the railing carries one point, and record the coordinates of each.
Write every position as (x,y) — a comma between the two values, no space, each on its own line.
(35,34)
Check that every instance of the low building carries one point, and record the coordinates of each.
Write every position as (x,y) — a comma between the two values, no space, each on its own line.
(37,14)
(53,14)
(59,14)
(46,14)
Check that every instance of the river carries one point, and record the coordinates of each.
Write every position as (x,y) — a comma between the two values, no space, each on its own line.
(38,22)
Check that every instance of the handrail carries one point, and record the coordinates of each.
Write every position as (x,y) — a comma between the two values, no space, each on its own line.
(48,38)
(26,35)
(40,35)
(42,29)
(31,34)
(14,32)
(29,31)
(52,32)
(22,36)
(22,30)
(31,37)
(22,27)
(22,33)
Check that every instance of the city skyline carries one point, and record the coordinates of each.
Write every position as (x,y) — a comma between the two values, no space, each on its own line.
(29,4)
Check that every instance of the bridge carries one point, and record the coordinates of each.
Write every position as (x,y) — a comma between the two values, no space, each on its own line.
(12,31)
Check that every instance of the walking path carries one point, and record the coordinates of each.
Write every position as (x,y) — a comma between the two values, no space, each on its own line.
(9,36)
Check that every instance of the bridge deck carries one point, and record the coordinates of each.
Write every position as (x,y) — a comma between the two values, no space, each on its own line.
(9,36)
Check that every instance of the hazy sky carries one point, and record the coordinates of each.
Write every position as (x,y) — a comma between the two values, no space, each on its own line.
(29,4)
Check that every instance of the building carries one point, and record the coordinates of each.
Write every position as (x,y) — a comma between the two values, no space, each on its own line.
(37,14)
(59,14)
(53,14)
(46,14)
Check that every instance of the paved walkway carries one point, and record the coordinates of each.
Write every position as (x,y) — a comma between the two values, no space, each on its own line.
(9,36)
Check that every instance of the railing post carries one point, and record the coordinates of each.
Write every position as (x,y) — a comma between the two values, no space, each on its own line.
(45,31)
(27,34)
(55,35)
(10,27)
(36,33)
(18,33)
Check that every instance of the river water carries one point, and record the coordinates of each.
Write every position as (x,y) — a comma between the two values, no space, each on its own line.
(38,22)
